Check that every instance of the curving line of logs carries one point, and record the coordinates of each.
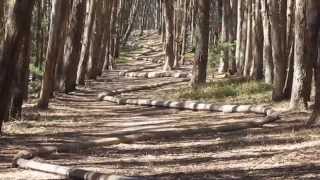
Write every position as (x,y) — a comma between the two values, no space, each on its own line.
(138,88)
(193,105)
(159,74)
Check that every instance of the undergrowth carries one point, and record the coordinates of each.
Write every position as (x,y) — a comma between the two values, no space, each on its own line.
(247,92)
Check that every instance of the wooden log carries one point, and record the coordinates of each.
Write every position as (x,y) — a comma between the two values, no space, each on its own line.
(193,105)
(157,74)
(138,88)
(69,172)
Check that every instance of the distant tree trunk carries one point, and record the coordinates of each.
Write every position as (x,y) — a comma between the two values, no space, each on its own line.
(248,54)
(72,47)
(279,60)
(113,33)
(240,17)
(243,47)
(267,50)
(199,70)
(290,47)
(19,17)
(257,39)
(58,21)
(184,30)
(224,61)
(131,20)
(169,53)
(87,35)
(299,78)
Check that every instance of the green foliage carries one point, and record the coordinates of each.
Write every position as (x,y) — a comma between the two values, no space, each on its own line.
(36,71)
(247,92)
(215,54)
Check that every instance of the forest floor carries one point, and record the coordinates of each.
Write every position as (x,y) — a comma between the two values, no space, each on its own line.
(284,149)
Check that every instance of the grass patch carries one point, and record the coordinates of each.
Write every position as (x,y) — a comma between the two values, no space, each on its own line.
(123,59)
(234,92)
(36,71)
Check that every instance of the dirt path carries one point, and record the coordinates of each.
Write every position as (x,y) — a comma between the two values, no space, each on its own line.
(282,150)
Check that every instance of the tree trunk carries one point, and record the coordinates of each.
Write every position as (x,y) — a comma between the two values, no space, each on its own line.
(95,45)
(279,60)
(20,91)
(313,52)
(257,39)
(87,35)
(169,53)
(58,20)
(199,70)
(290,47)
(131,20)
(224,61)
(19,17)
(248,55)
(267,50)
(184,30)
(72,47)
(299,77)
(240,17)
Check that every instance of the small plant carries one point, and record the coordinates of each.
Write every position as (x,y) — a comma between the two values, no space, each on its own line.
(36,71)
(215,55)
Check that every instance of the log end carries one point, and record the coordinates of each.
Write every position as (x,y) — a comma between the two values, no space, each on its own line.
(24,154)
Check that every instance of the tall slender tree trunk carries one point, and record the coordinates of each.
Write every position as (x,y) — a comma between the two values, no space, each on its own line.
(58,21)
(184,31)
(257,39)
(169,53)
(299,78)
(20,91)
(224,61)
(87,35)
(267,50)
(72,49)
(199,70)
(96,41)
(313,52)
(278,55)
(239,32)
(20,14)
(248,55)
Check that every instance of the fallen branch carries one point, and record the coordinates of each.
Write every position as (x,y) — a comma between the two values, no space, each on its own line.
(138,88)
(122,73)
(68,172)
